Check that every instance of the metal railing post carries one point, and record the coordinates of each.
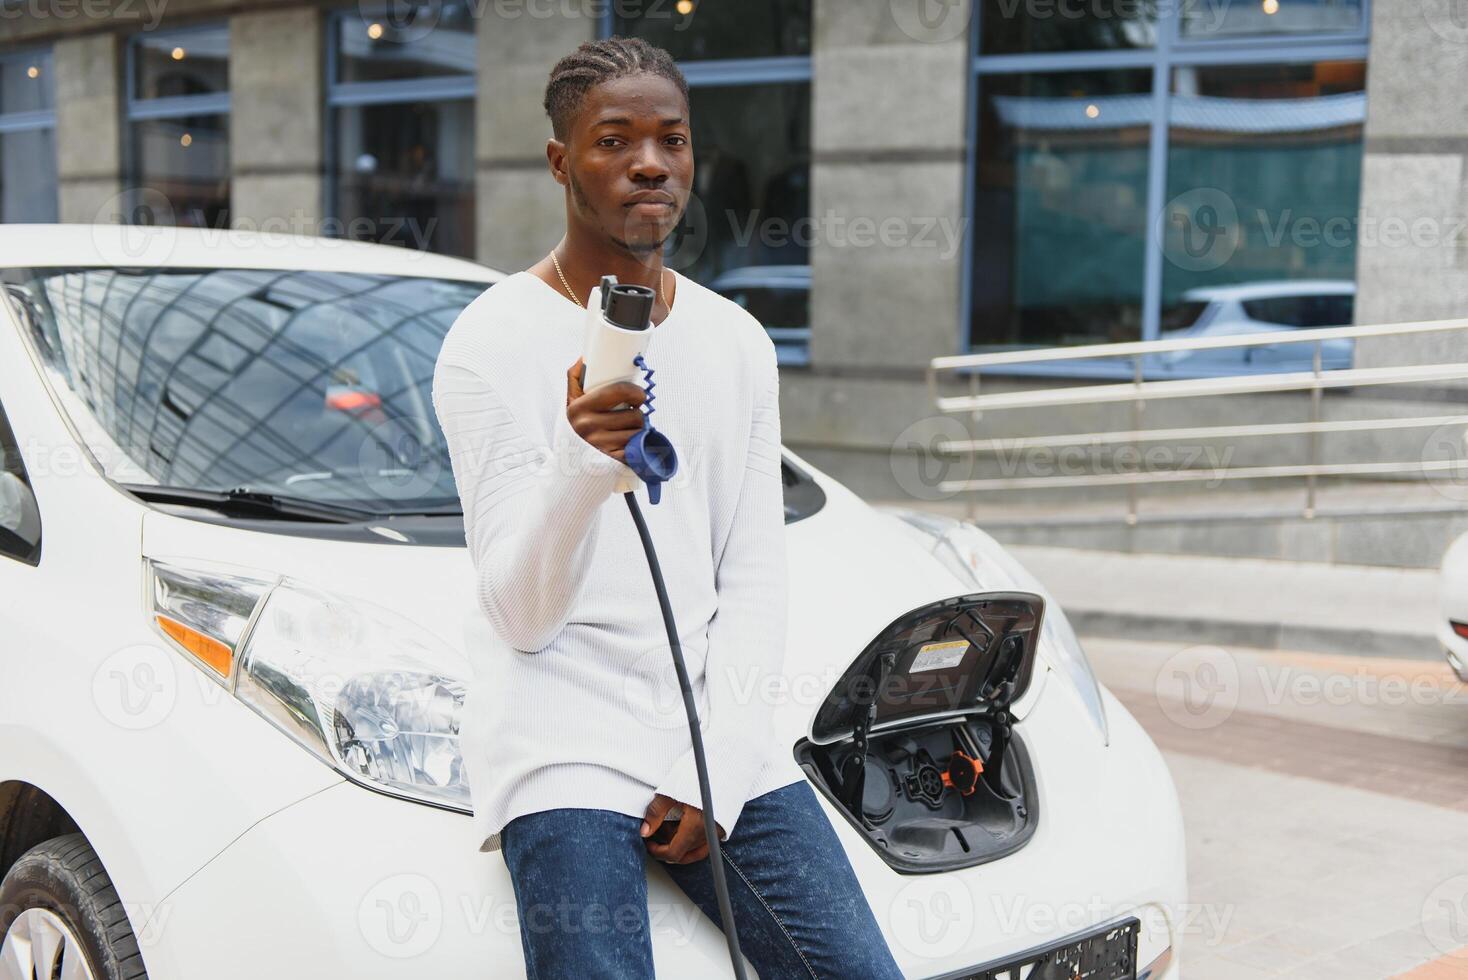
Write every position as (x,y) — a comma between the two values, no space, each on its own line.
(1315,396)
(973,431)
(1138,405)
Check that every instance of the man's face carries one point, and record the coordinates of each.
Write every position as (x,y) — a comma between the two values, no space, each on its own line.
(629,160)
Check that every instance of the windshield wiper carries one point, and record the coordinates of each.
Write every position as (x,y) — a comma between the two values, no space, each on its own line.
(244,502)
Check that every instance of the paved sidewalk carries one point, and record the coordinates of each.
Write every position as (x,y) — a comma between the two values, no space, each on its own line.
(1326,807)
(1248,602)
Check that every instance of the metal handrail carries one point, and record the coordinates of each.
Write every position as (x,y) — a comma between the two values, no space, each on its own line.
(1139,391)
(1133,347)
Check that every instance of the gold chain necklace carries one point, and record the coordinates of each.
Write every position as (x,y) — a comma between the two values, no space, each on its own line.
(567,286)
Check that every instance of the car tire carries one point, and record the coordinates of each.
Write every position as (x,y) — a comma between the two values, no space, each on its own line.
(60,886)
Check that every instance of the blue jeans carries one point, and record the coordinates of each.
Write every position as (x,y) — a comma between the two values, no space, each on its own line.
(580,882)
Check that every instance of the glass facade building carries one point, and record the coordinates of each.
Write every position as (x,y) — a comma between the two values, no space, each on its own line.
(177,133)
(748,67)
(1132,169)
(27,137)
(400,128)
(1139,169)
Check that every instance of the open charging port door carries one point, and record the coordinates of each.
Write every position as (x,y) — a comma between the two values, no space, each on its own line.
(915,743)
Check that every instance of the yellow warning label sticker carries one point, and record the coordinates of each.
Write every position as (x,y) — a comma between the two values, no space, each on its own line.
(939,656)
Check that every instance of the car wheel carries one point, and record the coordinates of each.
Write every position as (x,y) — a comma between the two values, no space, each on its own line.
(61,918)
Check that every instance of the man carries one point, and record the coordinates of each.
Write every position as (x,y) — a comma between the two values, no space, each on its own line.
(591,757)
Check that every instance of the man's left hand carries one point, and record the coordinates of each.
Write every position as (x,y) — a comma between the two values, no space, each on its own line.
(689,843)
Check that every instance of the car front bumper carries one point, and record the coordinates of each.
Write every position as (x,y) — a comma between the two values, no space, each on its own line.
(350,882)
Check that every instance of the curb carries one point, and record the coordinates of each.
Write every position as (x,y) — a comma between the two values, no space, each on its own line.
(1262,636)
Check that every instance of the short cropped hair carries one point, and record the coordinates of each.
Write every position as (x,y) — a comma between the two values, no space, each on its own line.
(594,62)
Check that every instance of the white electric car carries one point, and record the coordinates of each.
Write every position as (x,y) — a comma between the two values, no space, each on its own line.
(238,628)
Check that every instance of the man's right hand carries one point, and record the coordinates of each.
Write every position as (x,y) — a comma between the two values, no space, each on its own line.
(595,419)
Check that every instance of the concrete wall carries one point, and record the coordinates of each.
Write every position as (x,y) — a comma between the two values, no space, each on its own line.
(1412,263)
(520,210)
(89,128)
(276,84)
(887,149)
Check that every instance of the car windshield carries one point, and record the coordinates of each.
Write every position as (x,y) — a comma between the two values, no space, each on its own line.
(315,385)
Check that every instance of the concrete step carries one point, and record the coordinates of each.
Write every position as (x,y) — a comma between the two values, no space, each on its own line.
(1240,602)
(1409,540)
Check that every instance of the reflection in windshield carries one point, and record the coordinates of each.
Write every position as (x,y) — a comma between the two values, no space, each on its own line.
(313,384)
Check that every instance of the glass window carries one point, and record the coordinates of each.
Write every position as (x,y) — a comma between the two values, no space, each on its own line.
(1302,311)
(1021,26)
(28,175)
(309,384)
(26,82)
(178,128)
(177,63)
(185,162)
(27,138)
(747,231)
(751,150)
(1222,18)
(402,126)
(1263,175)
(778,296)
(405,174)
(699,31)
(390,42)
(20,517)
(1060,208)
(1253,204)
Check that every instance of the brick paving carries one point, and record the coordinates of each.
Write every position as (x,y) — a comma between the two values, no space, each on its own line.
(1327,836)
(1399,767)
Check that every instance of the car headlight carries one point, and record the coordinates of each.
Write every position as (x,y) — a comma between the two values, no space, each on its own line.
(353,683)
(976,556)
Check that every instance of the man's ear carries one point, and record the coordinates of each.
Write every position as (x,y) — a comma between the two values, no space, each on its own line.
(555,157)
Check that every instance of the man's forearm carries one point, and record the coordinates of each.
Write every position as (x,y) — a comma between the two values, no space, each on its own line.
(531,511)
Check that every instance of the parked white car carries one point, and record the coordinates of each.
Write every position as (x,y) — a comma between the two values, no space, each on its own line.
(239,621)
(1452,604)
(1261,307)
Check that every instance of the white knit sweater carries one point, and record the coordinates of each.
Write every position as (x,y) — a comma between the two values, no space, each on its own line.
(576,704)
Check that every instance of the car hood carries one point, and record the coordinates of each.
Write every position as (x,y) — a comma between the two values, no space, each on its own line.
(852,570)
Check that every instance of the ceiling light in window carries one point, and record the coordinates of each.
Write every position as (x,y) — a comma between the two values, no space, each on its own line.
(1271,7)
(186,140)
(685,7)
(1092,111)
(374,31)
(178,54)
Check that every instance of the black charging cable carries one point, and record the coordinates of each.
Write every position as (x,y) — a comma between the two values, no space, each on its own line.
(710,828)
